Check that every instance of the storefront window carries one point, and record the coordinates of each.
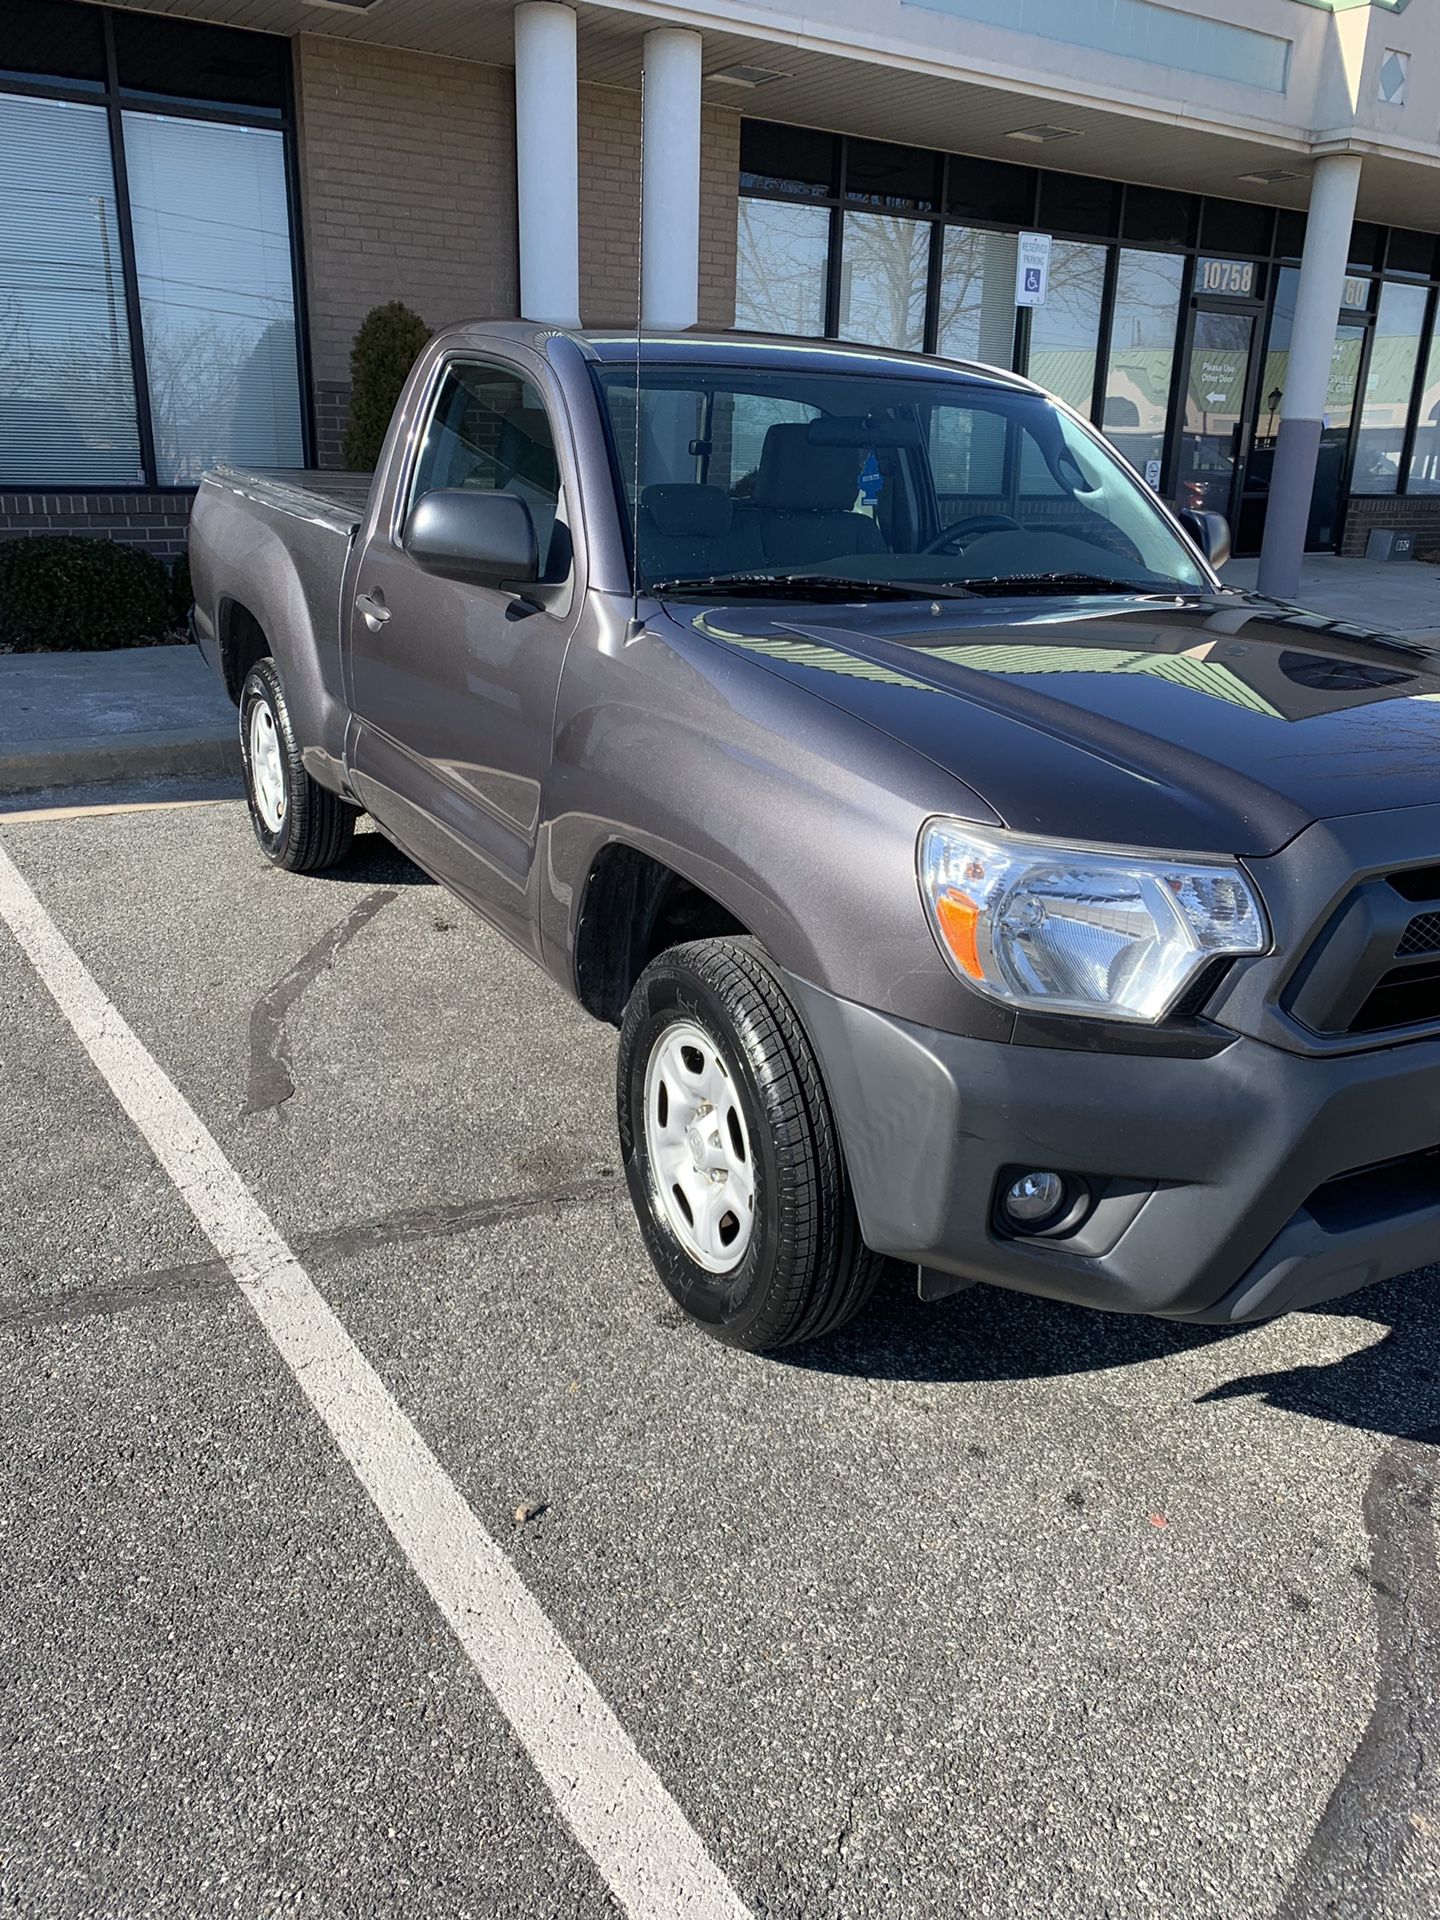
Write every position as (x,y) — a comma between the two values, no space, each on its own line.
(1065,332)
(1385,409)
(1142,354)
(883,276)
(928,246)
(67,387)
(780,282)
(212,252)
(977,297)
(1325,502)
(1425,461)
(206,245)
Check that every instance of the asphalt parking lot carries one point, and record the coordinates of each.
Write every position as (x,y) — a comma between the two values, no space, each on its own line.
(991,1608)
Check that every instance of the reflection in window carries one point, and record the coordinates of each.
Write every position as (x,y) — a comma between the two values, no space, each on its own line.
(1142,354)
(1425,462)
(1065,332)
(212,250)
(1385,407)
(882,288)
(780,277)
(489,433)
(67,391)
(977,296)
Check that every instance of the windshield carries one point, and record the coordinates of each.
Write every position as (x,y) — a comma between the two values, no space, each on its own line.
(751,475)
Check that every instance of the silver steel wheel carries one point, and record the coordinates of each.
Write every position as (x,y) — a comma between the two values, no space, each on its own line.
(699,1148)
(267,766)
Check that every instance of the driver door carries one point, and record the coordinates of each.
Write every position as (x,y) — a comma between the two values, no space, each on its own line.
(453,686)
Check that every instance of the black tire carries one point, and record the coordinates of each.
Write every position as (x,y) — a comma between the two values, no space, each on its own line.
(805,1270)
(315,826)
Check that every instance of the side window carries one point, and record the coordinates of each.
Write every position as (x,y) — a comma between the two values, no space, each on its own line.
(1037,482)
(489,429)
(967,459)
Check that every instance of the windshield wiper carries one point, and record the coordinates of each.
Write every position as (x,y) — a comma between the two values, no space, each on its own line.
(811,586)
(1036,583)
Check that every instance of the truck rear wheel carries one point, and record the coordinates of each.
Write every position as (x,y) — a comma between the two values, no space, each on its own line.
(731,1154)
(301,826)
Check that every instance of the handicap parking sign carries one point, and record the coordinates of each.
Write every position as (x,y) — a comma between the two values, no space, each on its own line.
(1032,269)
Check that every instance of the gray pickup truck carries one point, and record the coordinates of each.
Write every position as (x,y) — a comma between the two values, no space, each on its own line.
(974,881)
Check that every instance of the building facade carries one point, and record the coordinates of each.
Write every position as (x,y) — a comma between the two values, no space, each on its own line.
(201,199)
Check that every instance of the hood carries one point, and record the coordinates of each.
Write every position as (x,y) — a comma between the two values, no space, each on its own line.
(1224,724)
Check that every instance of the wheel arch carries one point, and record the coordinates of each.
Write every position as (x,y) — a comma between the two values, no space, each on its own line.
(633,907)
(243,641)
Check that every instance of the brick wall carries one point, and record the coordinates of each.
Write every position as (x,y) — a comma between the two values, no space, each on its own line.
(1419,513)
(332,411)
(408,175)
(152,520)
(610,209)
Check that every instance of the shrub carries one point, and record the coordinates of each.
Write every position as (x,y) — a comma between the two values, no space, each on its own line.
(69,593)
(385,349)
(182,594)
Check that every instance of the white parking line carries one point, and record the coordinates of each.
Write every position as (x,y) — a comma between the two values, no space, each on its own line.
(614,1802)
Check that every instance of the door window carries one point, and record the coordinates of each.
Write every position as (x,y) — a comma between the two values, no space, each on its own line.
(1213,398)
(488,429)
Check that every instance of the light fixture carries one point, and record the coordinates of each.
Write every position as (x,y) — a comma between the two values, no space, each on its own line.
(1269,178)
(748,76)
(1039,134)
(1034,1198)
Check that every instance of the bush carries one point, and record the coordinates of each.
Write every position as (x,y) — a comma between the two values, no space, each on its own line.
(182,594)
(68,593)
(385,349)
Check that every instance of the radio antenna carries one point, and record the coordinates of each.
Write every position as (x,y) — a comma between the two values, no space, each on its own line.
(639,311)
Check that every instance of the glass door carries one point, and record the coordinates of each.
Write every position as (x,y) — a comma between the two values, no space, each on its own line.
(1332,464)
(1322,532)
(1214,389)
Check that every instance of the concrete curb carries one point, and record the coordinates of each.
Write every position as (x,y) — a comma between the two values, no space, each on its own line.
(27,766)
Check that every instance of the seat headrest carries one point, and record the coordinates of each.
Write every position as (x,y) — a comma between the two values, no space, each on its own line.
(798,476)
(688,511)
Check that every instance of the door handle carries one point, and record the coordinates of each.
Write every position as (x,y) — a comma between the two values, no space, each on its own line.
(373,610)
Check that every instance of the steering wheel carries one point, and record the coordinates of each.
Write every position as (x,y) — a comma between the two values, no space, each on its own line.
(954,537)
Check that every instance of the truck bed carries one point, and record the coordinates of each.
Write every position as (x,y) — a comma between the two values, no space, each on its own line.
(269,549)
(316,494)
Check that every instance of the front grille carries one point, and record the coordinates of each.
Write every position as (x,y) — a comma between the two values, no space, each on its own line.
(1375,968)
(1421,936)
(1371,1195)
(1401,998)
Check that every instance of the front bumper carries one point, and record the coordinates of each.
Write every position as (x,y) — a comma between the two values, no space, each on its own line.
(1224,1184)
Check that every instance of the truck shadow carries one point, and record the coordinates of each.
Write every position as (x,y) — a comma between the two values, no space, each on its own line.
(1389,1387)
(374,862)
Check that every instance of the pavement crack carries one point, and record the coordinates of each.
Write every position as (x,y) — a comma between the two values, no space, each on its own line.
(1390,1786)
(271,1081)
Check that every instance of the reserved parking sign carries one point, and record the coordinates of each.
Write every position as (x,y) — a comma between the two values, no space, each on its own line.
(1032,270)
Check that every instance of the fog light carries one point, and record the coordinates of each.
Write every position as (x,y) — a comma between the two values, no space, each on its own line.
(1033,1199)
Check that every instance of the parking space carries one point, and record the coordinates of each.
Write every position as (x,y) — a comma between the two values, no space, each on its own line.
(986,1608)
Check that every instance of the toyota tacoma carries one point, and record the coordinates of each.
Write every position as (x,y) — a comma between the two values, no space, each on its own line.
(975,882)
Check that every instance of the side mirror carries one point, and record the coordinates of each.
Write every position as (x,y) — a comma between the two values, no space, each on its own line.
(482,539)
(1210,532)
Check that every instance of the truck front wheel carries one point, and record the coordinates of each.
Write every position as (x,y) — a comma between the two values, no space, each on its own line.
(300,825)
(731,1154)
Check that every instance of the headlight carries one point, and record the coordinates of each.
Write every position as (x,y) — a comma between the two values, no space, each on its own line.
(1074,930)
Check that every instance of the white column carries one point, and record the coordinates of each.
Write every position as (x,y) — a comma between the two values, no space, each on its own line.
(670,268)
(1307,378)
(547,163)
